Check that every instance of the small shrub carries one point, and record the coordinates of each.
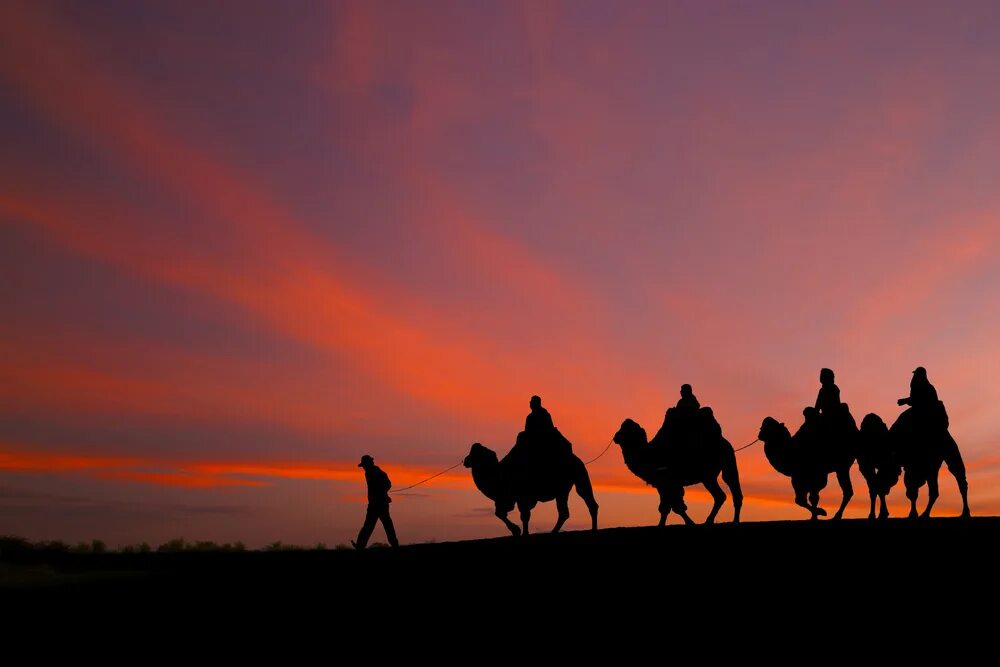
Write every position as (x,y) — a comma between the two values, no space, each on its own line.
(173,546)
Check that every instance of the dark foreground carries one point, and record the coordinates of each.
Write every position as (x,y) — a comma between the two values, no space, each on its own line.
(772,577)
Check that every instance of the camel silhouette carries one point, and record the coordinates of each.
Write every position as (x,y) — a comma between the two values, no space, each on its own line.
(921,442)
(877,461)
(821,445)
(508,483)
(670,466)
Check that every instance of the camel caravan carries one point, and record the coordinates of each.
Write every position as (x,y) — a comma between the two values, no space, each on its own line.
(690,449)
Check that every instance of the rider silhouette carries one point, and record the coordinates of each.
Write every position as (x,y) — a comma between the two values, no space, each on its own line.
(688,399)
(828,399)
(923,395)
(539,421)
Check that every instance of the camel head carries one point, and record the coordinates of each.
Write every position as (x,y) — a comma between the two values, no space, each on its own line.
(771,429)
(479,455)
(630,435)
(873,425)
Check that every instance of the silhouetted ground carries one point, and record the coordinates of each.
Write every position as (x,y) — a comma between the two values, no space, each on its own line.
(765,577)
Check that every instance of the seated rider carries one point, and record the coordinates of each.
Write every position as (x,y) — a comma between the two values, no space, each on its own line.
(688,399)
(923,399)
(541,440)
(828,399)
(539,421)
(923,395)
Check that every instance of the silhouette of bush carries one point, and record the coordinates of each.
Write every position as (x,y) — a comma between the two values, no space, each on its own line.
(204,546)
(173,546)
(180,544)
(281,546)
(11,545)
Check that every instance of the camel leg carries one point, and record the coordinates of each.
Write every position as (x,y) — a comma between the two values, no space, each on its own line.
(682,511)
(680,507)
(884,512)
(912,484)
(586,492)
(525,517)
(664,509)
(814,504)
(953,459)
(562,506)
(718,498)
(511,526)
(803,498)
(844,479)
(800,500)
(871,480)
(932,492)
(966,513)
(731,476)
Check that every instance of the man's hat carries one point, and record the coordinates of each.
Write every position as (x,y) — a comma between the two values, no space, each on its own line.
(366,460)
(920,370)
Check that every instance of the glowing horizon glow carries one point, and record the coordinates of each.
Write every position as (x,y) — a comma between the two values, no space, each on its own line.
(241,249)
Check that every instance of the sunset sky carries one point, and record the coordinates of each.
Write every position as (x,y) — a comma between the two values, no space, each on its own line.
(244,243)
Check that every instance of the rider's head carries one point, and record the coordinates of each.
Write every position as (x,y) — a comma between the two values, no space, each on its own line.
(825,376)
(535,402)
(686,390)
(920,372)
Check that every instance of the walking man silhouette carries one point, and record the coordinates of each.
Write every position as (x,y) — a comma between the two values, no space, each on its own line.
(378,504)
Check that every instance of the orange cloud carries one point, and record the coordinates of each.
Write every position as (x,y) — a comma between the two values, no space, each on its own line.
(179,479)
(70,374)
(21,459)
(302,288)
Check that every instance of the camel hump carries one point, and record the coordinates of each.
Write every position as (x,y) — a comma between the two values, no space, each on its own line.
(691,426)
(560,442)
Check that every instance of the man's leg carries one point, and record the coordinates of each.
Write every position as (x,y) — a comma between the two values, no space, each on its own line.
(371,516)
(390,530)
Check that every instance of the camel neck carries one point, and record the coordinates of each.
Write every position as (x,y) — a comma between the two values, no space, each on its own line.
(485,478)
(633,455)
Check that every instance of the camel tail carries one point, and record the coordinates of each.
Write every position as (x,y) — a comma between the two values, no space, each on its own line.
(581,479)
(731,476)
